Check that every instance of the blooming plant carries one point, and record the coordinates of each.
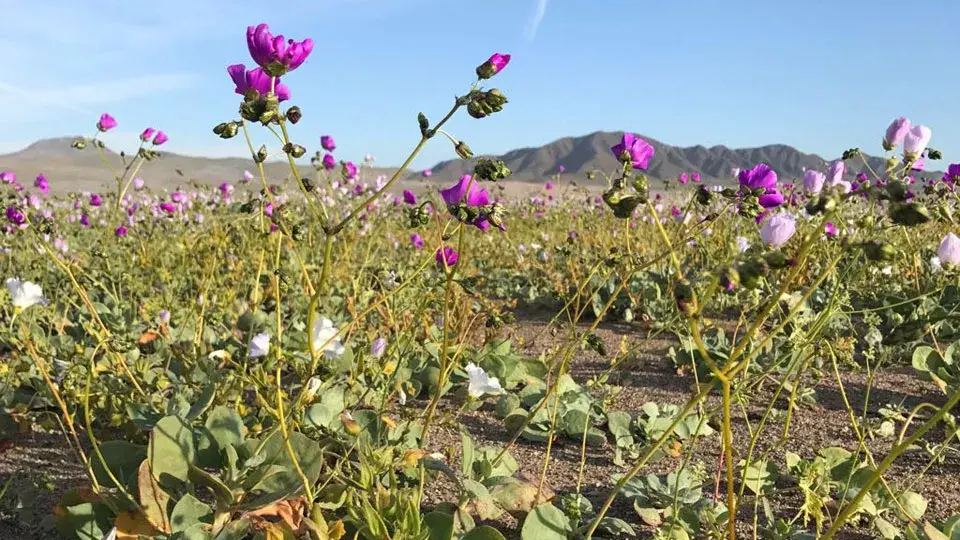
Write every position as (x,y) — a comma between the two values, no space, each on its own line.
(307,358)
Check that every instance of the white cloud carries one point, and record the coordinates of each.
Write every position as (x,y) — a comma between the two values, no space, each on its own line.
(533,24)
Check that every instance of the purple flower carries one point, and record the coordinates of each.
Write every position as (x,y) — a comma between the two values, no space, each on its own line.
(95,200)
(138,183)
(813,181)
(328,143)
(862,177)
(493,65)
(160,138)
(465,191)
(15,216)
(561,169)
(226,189)
(378,347)
(329,163)
(106,122)
(830,229)
(696,177)
(835,171)
(85,220)
(276,55)
(168,207)
(778,229)
(178,196)
(8,177)
(548,186)
(447,256)
(426,173)
(256,79)
(409,197)
(42,184)
(147,133)
(684,178)
(896,132)
(417,241)
(349,170)
(634,150)
(121,231)
(762,176)
(952,176)
(916,141)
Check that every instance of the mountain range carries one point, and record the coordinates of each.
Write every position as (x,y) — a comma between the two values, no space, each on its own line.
(71,170)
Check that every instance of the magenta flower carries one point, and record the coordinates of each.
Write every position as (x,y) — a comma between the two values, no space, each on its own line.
(862,177)
(42,184)
(426,173)
(329,162)
(160,138)
(695,176)
(256,79)
(548,186)
(276,55)
(328,143)
(561,169)
(85,220)
(762,176)
(634,150)
(349,170)
(15,216)
(896,132)
(409,197)
(147,133)
(467,192)
(226,189)
(494,65)
(830,229)
(447,256)
(417,241)
(120,231)
(952,176)
(178,196)
(684,178)
(168,207)
(106,122)
(8,177)
(95,200)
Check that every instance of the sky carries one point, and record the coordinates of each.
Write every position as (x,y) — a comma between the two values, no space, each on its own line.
(820,75)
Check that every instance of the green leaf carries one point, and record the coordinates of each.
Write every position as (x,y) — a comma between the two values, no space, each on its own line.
(326,410)
(203,402)
(86,521)
(480,500)
(122,457)
(914,504)
(483,532)
(190,511)
(545,522)
(440,525)
(171,449)
(226,426)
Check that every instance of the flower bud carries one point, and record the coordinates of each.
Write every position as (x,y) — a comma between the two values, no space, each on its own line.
(79,144)
(294,150)
(494,65)
(483,104)
(463,150)
(879,251)
(294,114)
(311,389)
(424,123)
(729,279)
(349,424)
(622,204)
(751,272)
(261,154)
(642,187)
(493,170)
(704,195)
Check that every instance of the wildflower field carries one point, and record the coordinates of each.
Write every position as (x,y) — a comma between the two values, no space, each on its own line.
(332,356)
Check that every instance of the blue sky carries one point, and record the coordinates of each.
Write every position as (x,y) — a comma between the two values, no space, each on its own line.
(821,75)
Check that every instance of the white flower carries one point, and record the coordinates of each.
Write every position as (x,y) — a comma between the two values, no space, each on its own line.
(948,251)
(311,389)
(25,294)
(323,339)
(481,383)
(402,396)
(260,345)
(742,244)
(935,264)
(887,270)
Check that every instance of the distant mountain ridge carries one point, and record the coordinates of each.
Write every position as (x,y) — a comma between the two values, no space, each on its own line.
(70,169)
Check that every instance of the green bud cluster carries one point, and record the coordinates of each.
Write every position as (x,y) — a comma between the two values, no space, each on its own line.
(492,170)
(485,103)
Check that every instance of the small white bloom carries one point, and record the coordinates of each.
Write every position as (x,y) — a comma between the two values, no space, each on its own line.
(311,389)
(402,396)
(935,264)
(260,345)
(887,270)
(323,339)
(25,294)
(742,244)
(480,383)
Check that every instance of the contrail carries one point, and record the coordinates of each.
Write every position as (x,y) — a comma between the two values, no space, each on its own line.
(540,9)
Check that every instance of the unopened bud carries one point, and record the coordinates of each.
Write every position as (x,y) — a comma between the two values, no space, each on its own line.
(79,144)
(493,170)
(485,103)
(261,154)
(349,424)
(463,150)
(909,214)
(294,150)
(424,123)
(294,114)
(704,195)
(879,251)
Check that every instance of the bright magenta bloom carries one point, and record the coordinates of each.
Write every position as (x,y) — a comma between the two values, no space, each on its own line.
(258,80)
(447,256)
(328,143)
(634,149)
(494,65)
(409,197)
(329,162)
(762,176)
(349,170)
(147,133)
(160,138)
(459,193)
(106,122)
(276,55)
(42,184)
